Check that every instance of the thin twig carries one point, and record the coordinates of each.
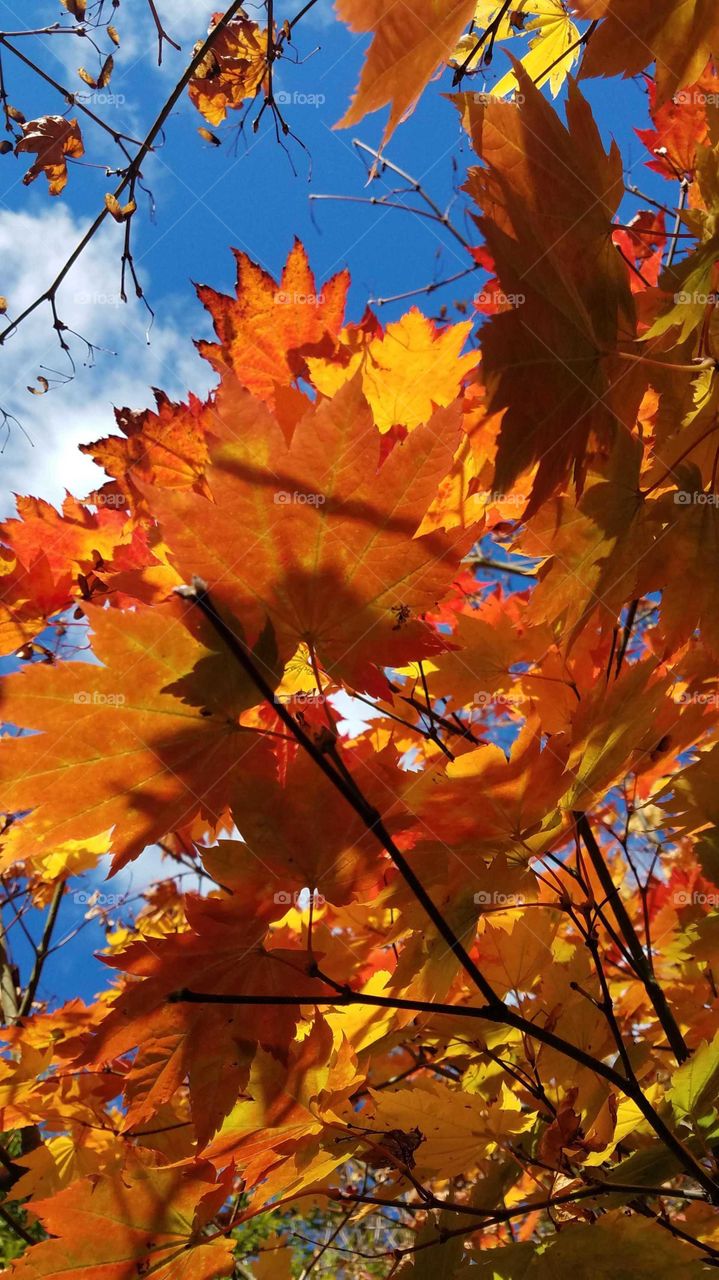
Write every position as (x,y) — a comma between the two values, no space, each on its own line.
(162,35)
(638,955)
(674,237)
(42,950)
(416,187)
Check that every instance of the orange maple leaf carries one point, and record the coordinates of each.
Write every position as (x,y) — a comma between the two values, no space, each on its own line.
(410,40)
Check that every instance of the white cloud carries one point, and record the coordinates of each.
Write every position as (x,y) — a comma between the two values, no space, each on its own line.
(186,19)
(32,248)
(322,15)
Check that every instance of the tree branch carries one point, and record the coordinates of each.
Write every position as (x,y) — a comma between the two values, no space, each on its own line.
(131,173)
(42,950)
(496,1009)
(636,950)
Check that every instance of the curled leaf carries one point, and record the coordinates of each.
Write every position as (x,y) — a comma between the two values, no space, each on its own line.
(53,139)
(231,72)
(43,388)
(120,212)
(208,136)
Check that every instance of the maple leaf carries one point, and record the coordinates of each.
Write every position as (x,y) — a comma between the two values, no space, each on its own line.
(62,1160)
(211,1046)
(75,538)
(139,744)
(303,834)
(546,360)
(519,796)
(685,558)
(54,140)
(147,1221)
(264,331)
(47,561)
(29,595)
(167,447)
(642,243)
(691,795)
(622,1249)
(232,71)
(679,34)
(490,641)
(321,542)
(551,51)
(608,742)
(288,1099)
(597,548)
(409,42)
(694,1087)
(407,371)
(680,126)
(455,1127)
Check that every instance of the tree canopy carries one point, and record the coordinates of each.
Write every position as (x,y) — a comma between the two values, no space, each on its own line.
(403,646)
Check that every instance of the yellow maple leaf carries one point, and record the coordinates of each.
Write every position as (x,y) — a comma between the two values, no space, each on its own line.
(407,372)
(551,50)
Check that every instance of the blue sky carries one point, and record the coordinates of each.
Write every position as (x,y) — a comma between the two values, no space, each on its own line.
(243,194)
